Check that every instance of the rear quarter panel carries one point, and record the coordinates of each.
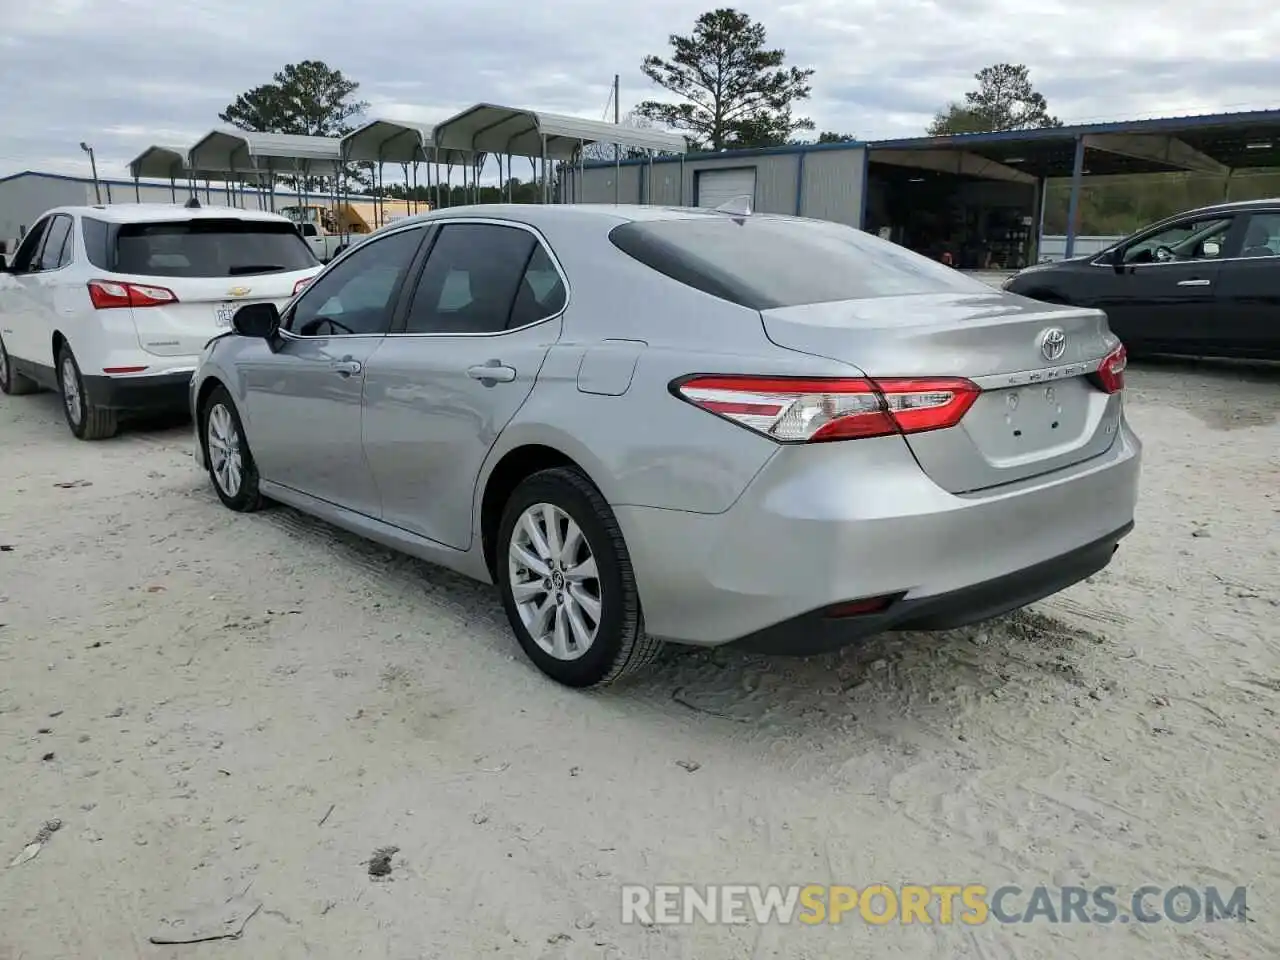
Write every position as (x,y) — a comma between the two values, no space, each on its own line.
(645,446)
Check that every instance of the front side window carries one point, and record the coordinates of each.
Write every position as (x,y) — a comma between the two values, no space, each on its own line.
(54,249)
(24,260)
(358,294)
(1189,240)
(484,278)
(1262,236)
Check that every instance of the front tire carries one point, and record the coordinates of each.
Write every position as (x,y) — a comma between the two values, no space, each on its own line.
(13,383)
(86,420)
(231,465)
(567,584)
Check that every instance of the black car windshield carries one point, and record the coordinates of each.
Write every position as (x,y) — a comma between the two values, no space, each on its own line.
(766,262)
(204,247)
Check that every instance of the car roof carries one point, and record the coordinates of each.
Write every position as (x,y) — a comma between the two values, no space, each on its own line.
(160,212)
(1235,206)
(536,214)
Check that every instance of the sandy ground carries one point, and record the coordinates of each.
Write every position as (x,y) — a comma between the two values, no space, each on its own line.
(193,692)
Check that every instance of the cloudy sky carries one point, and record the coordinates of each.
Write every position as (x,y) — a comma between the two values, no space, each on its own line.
(123,74)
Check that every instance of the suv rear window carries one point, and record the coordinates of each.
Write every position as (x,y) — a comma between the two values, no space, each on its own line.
(197,248)
(766,262)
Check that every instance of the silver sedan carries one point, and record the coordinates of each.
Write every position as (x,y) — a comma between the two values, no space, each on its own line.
(652,424)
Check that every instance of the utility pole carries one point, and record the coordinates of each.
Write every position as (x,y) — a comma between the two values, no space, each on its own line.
(93,164)
(617,117)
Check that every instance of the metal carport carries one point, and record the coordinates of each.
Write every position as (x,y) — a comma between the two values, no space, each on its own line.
(515,132)
(1212,143)
(242,154)
(159,162)
(403,142)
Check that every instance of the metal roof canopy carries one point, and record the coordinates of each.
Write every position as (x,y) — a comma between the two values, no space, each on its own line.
(397,141)
(490,128)
(241,151)
(1212,144)
(170,163)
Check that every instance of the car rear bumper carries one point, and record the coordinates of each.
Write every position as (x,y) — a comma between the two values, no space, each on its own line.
(163,393)
(840,522)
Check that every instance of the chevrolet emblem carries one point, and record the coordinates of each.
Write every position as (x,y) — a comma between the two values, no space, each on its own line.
(238,291)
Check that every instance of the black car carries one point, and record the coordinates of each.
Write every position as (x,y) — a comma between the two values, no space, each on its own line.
(1203,283)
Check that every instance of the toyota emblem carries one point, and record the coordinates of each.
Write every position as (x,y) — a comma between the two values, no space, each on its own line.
(1053,343)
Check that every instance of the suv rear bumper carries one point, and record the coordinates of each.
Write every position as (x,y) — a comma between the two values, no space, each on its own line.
(163,393)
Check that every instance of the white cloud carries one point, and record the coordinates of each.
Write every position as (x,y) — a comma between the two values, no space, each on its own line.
(154,71)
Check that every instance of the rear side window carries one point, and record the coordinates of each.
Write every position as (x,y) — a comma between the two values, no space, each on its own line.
(51,254)
(207,248)
(766,262)
(484,278)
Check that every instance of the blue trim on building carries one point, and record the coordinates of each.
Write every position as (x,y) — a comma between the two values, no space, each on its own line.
(1155,125)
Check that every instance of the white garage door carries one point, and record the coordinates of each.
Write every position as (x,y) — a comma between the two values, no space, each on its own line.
(716,187)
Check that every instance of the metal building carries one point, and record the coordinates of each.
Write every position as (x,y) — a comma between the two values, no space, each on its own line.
(978,197)
(825,180)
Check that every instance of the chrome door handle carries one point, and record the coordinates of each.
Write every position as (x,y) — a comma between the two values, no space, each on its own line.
(345,368)
(1194,283)
(495,371)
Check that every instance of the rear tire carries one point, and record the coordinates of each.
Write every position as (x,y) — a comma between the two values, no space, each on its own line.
(12,383)
(87,421)
(567,584)
(231,466)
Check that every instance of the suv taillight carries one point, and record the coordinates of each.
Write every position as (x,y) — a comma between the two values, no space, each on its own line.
(112,294)
(813,410)
(1110,375)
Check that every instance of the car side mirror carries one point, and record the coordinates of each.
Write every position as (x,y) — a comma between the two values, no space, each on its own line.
(257,320)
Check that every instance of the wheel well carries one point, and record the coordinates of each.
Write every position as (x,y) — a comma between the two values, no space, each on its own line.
(58,341)
(513,468)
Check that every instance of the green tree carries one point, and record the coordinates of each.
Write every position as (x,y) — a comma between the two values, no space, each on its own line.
(830,136)
(1004,100)
(733,90)
(308,99)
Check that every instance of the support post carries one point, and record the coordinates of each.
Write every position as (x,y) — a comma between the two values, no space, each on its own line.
(1073,206)
(1044,202)
(800,182)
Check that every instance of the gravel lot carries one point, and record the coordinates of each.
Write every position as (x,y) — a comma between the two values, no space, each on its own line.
(216,705)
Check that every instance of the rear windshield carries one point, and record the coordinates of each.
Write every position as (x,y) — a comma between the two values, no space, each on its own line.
(197,248)
(768,262)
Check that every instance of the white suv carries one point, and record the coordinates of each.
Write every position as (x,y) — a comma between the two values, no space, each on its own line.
(111,305)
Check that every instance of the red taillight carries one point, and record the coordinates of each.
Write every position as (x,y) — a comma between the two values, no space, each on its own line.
(1111,372)
(111,294)
(297,287)
(812,410)
(859,608)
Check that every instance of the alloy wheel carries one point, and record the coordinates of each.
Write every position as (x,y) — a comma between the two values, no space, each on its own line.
(224,450)
(554,581)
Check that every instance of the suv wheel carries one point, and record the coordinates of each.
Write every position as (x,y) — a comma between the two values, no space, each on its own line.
(567,583)
(14,384)
(87,421)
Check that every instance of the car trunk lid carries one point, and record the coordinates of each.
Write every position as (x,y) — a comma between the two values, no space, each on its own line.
(1040,409)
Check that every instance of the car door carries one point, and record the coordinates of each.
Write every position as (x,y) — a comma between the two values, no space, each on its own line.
(1247,296)
(485,308)
(1161,292)
(53,299)
(303,398)
(19,304)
